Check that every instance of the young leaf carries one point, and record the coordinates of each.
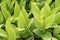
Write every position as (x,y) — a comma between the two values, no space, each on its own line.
(1,17)
(26,16)
(21,20)
(5,12)
(55,10)
(57,18)
(35,10)
(45,11)
(54,38)
(49,1)
(38,32)
(16,10)
(57,3)
(3,33)
(8,3)
(56,30)
(49,21)
(10,30)
(47,36)
(22,3)
(52,5)
(44,36)
(38,24)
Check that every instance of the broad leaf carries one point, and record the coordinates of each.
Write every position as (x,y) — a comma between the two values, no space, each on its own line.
(16,10)
(47,36)
(57,18)
(49,21)
(5,12)
(1,17)
(54,38)
(10,30)
(26,16)
(55,10)
(49,1)
(44,36)
(35,10)
(45,11)
(38,24)
(21,20)
(3,33)
(57,3)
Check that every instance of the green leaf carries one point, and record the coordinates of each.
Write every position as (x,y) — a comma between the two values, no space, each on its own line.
(26,16)
(56,30)
(8,2)
(57,3)
(22,3)
(49,1)
(3,33)
(1,17)
(30,38)
(5,12)
(16,10)
(55,10)
(44,36)
(35,10)
(38,24)
(38,32)
(45,11)
(49,21)
(10,30)
(47,36)
(57,18)
(54,38)
(21,20)
(52,5)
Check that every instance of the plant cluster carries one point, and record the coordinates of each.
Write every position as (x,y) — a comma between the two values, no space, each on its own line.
(29,19)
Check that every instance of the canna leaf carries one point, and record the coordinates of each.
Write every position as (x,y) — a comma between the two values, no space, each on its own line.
(52,5)
(10,30)
(47,36)
(22,3)
(21,20)
(38,32)
(8,2)
(35,10)
(44,36)
(1,17)
(5,12)
(45,11)
(49,1)
(16,10)
(26,16)
(38,24)
(57,3)
(56,30)
(57,18)
(49,21)
(54,38)
(55,10)
(3,33)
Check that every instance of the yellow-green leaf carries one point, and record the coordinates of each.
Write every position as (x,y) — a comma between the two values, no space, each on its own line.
(49,21)
(5,12)
(21,20)
(10,30)
(45,11)
(1,17)
(35,10)
(16,10)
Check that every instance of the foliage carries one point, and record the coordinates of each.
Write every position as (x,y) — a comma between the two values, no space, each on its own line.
(29,19)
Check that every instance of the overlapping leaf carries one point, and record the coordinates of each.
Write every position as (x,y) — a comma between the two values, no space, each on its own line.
(10,30)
